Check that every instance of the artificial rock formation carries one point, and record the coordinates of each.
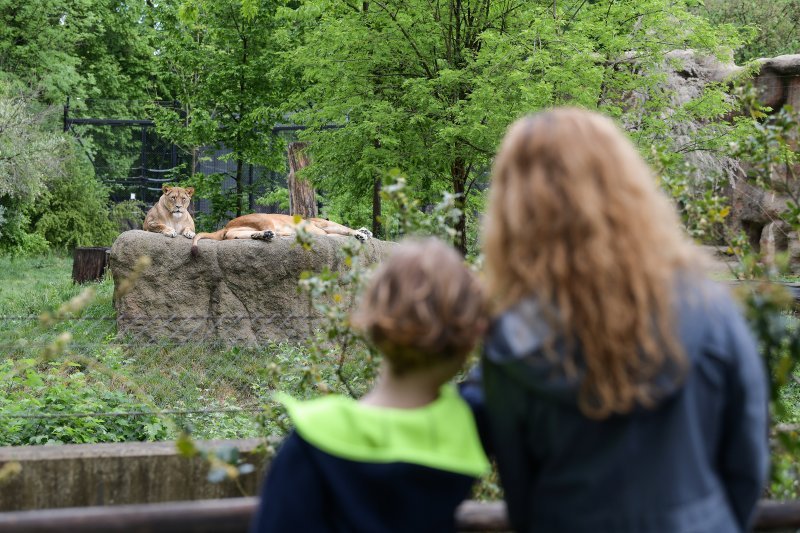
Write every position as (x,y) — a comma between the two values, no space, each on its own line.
(757,211)
(754,210)
(234,292)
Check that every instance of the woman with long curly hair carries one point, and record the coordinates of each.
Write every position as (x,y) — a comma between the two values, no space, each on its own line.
(623,390)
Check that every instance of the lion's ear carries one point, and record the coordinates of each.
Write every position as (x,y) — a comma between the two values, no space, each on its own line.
(165,188)
(190,191)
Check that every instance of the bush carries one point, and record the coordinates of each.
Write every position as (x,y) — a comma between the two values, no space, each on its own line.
(16,238)
(31,155)
(128,215)
(74,211)
(62,388)
(773,25)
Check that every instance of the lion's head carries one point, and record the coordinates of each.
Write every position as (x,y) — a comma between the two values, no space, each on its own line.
(177,199)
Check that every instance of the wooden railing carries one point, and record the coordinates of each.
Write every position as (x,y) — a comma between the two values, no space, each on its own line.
(233,516)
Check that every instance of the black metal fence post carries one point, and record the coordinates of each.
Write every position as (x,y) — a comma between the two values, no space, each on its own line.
(143,162)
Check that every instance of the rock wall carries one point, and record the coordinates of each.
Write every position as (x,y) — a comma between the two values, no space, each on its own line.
(235,292)
(757,211)
(754,210)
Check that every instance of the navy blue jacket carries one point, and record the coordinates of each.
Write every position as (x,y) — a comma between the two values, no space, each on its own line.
(697,462)
(308,490)
(355,468)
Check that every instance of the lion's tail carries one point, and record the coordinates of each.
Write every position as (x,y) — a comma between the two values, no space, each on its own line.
(217,236)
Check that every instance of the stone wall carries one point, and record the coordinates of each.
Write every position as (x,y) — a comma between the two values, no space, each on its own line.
(757,211)
(236,291)
(78,475)
(754,210)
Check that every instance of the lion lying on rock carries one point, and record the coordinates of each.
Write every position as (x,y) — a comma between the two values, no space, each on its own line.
(170,216)
(265,227)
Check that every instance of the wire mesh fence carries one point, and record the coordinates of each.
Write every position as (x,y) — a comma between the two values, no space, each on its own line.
(129,154)
(82,379)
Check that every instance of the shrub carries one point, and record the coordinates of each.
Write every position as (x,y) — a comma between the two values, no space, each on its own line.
(62,388)
(772,25)
(128,215)
(31,155)
(74,211)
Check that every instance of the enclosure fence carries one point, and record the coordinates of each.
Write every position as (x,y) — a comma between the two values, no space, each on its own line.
(86,371)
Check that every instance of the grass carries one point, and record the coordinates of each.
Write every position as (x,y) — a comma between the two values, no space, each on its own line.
(154,377)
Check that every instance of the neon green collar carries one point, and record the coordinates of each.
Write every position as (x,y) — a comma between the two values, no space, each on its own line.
(440,435)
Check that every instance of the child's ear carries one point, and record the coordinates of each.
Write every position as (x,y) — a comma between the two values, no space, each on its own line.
(190,191)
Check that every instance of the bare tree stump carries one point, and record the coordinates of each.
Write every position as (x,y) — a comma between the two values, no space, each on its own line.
(89,264)
(302,198)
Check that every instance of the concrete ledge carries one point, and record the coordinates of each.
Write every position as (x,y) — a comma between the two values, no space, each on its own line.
(80,475)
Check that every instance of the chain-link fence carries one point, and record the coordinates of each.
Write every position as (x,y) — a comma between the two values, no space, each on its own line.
(79,379)
(130,156)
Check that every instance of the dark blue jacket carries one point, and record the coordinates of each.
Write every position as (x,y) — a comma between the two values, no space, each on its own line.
(310,491)
(355,468)
(697,462)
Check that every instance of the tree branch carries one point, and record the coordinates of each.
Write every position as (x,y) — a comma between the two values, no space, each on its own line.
(411,42)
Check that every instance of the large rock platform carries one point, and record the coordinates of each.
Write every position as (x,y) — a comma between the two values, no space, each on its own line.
(234,292)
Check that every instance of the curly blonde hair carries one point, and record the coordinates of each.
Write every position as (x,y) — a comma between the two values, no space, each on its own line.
(423,306)
(576,220)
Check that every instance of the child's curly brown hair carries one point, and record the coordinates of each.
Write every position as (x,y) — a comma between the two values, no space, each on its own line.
(422,307)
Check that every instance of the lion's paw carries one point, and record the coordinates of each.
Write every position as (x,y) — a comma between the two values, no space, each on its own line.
(189,234)
(171,233)
(363,234)
(267,235)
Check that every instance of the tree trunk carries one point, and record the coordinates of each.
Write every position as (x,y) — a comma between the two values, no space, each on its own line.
(239,186)
(89,264)
(302,198)
(458,173)
(376,207)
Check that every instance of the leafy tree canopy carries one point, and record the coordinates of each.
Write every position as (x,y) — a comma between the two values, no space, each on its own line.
(430,87)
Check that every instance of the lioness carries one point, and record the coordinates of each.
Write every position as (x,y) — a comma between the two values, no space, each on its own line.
(265,227)
(170,215)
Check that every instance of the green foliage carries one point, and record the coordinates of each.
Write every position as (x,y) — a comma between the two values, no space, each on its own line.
(128,215)
(75,210)
(30,158)
(333,295)
(48,193)
(219,55)
(405,217)
(223,203)
(765,144)
(432,89)
(279,196)
(772,26)
(62,388)
(702,206)
(16,237)
(78,48)
(29,155)
(36,47)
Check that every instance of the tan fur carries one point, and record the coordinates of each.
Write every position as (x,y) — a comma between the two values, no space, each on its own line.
(170,216)
(264,226)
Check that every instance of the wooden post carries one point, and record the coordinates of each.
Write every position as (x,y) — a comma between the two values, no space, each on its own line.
(302,198)
(89,264)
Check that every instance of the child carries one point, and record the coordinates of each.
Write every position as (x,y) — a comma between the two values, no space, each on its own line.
(404,456)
